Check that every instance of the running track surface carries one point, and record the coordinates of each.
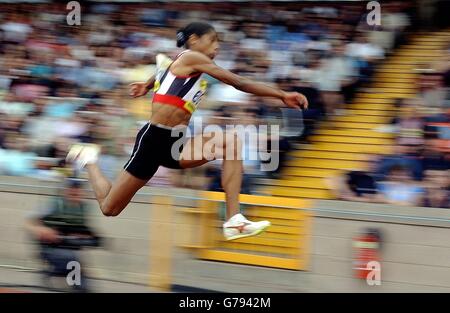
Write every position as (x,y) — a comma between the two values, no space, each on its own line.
(11,290)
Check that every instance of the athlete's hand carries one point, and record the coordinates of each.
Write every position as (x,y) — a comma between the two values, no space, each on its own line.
(138,89)
(295,100)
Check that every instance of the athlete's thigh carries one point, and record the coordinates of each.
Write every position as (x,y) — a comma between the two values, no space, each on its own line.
(123,189)
(200,150)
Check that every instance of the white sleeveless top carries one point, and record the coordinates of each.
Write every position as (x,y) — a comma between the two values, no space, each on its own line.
(184,92)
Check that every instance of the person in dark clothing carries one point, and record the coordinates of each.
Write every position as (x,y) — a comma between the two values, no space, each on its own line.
(405,155)
(61,230)
(355,185)
(315,111)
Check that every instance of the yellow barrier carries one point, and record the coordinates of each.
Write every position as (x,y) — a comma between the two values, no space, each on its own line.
(161,243)
(283,245)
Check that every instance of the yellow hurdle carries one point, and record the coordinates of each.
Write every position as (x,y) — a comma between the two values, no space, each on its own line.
(284,245)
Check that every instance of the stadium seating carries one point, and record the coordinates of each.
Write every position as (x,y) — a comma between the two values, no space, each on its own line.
(347,142)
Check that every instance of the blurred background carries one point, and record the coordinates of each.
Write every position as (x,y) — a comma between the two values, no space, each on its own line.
(369,158)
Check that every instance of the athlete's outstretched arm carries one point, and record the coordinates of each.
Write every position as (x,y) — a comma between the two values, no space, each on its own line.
(142,88)
(201,63)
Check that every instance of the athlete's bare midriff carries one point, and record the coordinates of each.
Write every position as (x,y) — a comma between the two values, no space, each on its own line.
(169,115)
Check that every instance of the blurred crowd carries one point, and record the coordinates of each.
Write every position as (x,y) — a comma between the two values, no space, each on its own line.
(417,173)
(61,83)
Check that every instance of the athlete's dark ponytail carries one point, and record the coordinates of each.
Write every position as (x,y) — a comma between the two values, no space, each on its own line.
(196,28)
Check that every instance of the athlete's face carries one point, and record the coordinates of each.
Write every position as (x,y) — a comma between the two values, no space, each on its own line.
(207,44)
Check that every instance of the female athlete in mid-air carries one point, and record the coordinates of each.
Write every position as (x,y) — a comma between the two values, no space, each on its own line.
(177,90)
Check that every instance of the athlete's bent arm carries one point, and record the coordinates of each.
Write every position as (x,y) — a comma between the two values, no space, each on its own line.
(201,63)
(142,88)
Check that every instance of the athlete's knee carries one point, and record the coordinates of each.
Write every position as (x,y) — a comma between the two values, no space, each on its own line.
(109,209)
(110,213)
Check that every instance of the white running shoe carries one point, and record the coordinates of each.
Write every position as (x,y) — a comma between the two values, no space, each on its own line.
(82,154)
(239,227)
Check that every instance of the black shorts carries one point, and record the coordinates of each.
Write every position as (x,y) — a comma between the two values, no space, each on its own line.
(153,148)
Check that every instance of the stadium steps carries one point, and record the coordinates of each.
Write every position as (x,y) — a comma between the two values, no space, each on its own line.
(326,155)
(348,141)
(352,132)
(371,112)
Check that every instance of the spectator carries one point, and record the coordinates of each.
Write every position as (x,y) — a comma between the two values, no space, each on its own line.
(366,54)
(405,156)
(437,189)
(433,158)
(340,71)
(315,110)
(432,90)
(409,125)
(15,159)
(355,186)
(61,230)
(363,50)
(398,188)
